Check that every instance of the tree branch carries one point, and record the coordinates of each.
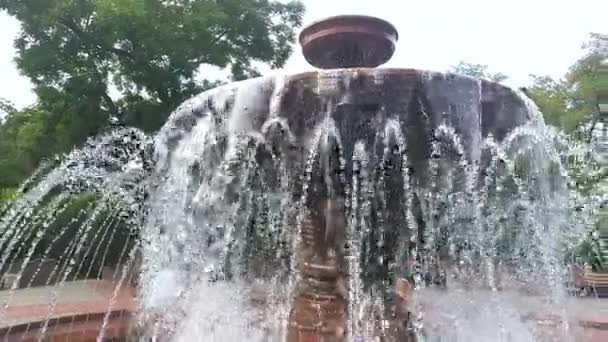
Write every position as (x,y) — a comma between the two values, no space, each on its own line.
(220,36)
(216,40)
(110,103)
(87,39)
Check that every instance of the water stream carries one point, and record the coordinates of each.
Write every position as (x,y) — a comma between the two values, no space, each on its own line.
(212,211)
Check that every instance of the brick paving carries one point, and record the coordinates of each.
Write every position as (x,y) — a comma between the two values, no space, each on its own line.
(74,298)
(82,306)
(480,313)
(80,310)
(77,330)
(594,335)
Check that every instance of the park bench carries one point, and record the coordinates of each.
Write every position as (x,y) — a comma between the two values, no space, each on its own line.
(595,283)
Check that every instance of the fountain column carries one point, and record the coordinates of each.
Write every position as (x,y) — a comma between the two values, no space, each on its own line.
(319,309)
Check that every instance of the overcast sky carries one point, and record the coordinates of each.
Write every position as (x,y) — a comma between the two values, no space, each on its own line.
(514,37)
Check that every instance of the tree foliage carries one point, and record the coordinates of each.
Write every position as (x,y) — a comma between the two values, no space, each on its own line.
(570,103)
(6,107)
(135,60)
(25,137)
(477,71)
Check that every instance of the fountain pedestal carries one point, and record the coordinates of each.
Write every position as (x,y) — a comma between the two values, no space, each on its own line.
(318,312)
(319,309)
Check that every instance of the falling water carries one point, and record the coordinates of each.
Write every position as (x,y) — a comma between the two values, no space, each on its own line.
(64,217)
(476,218)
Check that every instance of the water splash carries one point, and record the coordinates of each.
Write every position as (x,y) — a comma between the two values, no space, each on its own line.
(427,189)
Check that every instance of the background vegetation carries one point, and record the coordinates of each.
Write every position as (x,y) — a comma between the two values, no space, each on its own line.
(128,60)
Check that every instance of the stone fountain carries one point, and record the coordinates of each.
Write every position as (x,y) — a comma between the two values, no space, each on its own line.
(318,206)
(357,100)
(336,174)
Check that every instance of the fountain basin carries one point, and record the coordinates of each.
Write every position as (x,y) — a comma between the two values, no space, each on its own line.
(305,140)
(79,313)
(361,101)
(84,328)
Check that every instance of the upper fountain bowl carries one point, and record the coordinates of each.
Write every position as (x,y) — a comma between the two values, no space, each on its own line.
(348,41)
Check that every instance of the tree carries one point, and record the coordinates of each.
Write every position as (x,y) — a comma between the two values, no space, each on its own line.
(477,71)
(149,52)
(6,107)
(25,137)
(552,98)
(570,103)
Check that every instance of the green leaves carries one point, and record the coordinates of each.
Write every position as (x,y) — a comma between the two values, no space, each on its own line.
(148,52)
(151,49)
(591,249)
(570,103)
(20,143)
(477,71)
(6,107)
(7,195)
